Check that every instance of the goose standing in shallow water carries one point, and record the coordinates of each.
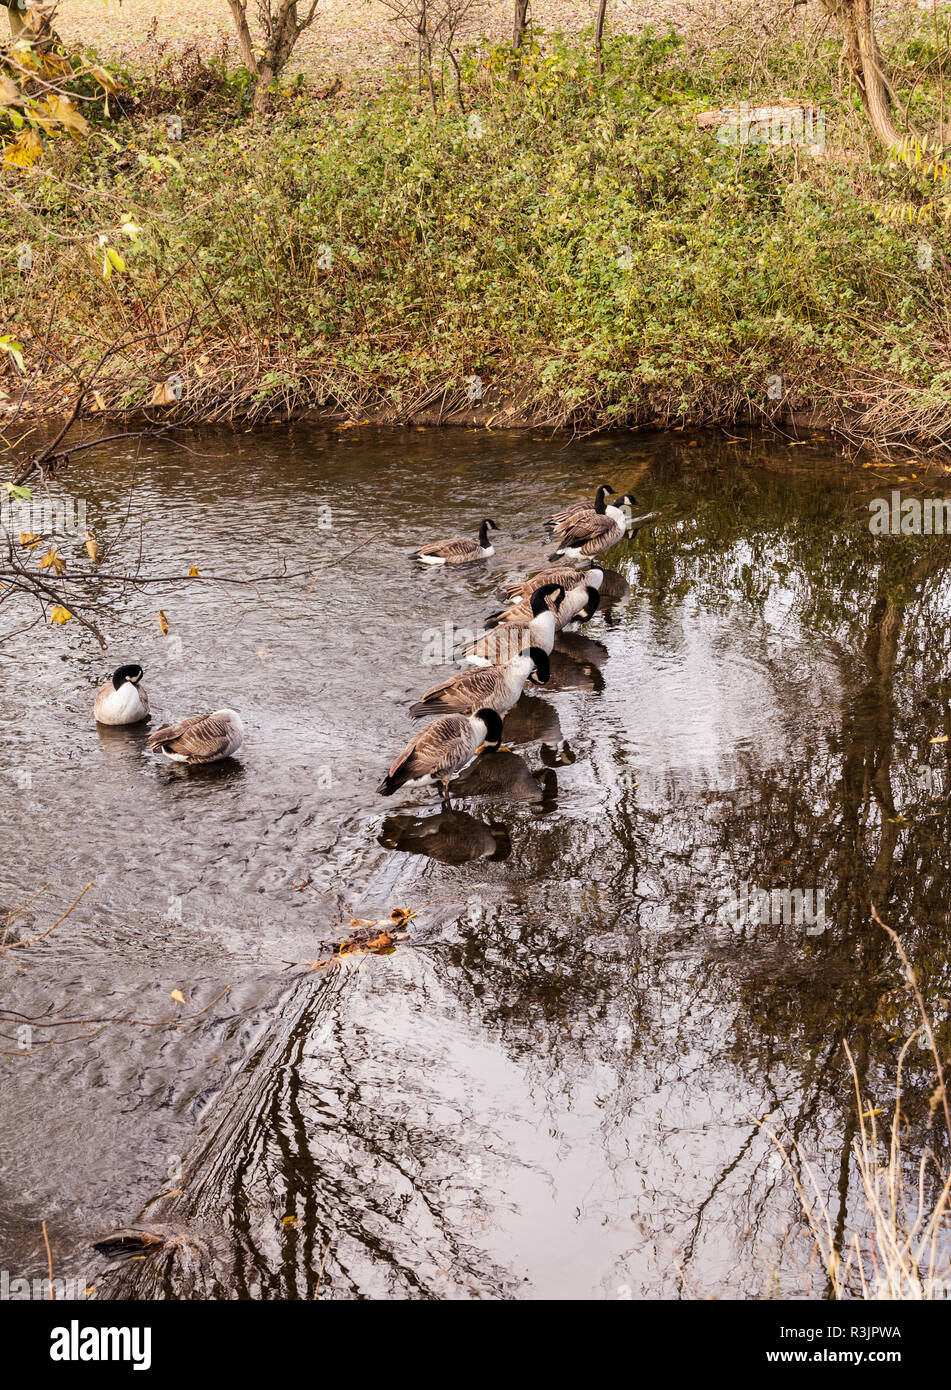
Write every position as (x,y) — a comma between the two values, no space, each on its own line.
(593,532)
(122,700)
(491,687)
(202,738)
(565,575)
(512,639)
(457,550)
(580,601)
(442,749)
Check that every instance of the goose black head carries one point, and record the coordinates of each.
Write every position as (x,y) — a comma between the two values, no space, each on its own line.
(603,491)
(542,665)
(484,531)
(540,595)
(591,607)
(132,674)
(493,727)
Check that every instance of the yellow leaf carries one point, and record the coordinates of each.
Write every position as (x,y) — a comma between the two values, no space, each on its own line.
(163,623)
(193,571)
(28,539)
(942,738)
(99,399)
(92,547)
(104,79)
(289,1221)
(63,110)
(24,151)
(52,560)
(59,615)
(179,997)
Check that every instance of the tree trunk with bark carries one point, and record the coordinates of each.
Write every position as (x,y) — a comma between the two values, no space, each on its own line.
(860,51)
(282,29)
(521,22)
(599,34)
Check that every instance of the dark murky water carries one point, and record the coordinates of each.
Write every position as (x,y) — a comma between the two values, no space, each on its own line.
(550,1089)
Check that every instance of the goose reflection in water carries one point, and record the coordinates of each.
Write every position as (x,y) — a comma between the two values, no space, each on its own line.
(532,720)
(506,776)
(576,663)
(449,837)
(614,589)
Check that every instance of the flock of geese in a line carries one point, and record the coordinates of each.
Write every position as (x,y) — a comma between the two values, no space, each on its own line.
(469,706)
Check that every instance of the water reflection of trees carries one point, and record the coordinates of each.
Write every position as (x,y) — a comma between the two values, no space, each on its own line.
(859,810)
(592,956)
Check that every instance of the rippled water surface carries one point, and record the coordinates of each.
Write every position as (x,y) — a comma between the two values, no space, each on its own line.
(551,1088)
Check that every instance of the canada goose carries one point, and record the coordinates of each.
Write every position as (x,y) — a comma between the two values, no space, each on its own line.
(458,551)
(511,639)
(594,531)
(492,687)
(580,601)
(565,575)
(122,700)
(437,752)
(575,511)
(202,738)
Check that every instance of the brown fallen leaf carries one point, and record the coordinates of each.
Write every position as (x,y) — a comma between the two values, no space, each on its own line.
(163,623)
(92,547)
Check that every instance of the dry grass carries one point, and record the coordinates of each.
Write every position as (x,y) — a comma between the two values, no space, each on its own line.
(899,1246)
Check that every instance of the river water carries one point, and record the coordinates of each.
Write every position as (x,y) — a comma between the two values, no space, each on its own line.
(552,1087)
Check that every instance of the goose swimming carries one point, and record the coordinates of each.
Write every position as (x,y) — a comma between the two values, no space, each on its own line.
(512,639)
(579,601)
(575,511)
(202,738)
(491,687)
(122,700)
(593,531)
(442,749)
(457,550)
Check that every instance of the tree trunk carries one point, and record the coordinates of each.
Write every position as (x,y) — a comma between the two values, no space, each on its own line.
(856,19)
(521,22)
(599,33)
(246,47)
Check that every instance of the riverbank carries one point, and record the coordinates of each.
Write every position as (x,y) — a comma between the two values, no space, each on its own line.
(538,246)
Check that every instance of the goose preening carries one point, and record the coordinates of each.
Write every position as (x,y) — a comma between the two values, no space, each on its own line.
(489,687)
(442,749)
(592,532)
(457,550)
(506,640)
(578,602)
(122,700)
(202,738)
